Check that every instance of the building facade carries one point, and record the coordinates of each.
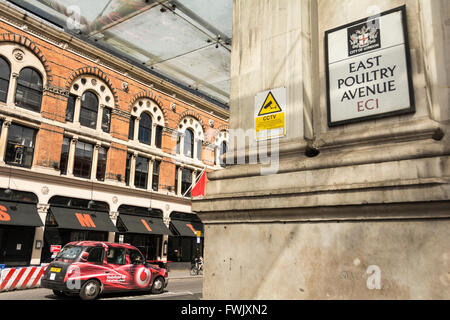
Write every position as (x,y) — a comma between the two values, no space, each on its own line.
(94,148)
(355,210)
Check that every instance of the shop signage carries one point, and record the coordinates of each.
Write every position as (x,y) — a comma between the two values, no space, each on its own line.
(55,248)
(85,220)
(368,69)
(270,119)
(4,216)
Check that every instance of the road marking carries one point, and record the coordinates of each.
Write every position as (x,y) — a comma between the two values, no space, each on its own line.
(153,296)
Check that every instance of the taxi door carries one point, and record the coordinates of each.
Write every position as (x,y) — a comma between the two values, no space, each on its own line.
(117,270)
(139,273)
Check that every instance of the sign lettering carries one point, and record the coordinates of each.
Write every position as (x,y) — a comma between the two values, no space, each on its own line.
(4,216)
(146,225)
(367,70)
(85,220)
(270,107)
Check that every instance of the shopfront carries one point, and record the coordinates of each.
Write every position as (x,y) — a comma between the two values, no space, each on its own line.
(143,228)
(18,219)
(71,219)
(187,240)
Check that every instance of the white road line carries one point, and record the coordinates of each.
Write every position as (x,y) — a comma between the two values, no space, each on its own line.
(155,296)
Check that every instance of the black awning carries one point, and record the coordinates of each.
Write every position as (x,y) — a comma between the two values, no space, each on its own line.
(187,228)
(144,225)
(79,219)
(19,214)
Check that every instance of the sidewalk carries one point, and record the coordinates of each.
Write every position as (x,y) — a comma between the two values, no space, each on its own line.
(182,274)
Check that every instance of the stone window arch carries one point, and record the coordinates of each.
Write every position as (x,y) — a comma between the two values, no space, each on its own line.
(193,125)
(88,85)
(27,77)
(145,111)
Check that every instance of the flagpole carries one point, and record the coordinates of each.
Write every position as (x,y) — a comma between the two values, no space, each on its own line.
(193,184)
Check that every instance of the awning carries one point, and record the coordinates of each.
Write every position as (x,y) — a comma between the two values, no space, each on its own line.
(78,219)
(187,228)
(144,225)
(19,214)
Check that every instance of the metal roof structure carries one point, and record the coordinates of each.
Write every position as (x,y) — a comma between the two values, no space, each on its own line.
(186,42)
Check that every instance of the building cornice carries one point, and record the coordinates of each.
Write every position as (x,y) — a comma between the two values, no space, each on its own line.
(56,178)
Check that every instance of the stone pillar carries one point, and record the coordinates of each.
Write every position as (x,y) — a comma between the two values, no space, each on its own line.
(71,158)
(113,215)
(153,135)
(194,176)
(133,168)
(12,88)
(179,181)
(150,173)
(76,113)
(346,207)
(194,155)
(136,129)
(165,241)
(101,108)
(95,162)
(36,253)
(4,139)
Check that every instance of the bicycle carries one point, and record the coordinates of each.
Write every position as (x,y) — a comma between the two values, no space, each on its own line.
(196,268)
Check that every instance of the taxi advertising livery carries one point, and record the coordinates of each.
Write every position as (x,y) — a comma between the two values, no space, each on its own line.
(89,268)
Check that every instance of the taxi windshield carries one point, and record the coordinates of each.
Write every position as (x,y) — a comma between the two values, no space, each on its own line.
(69,253)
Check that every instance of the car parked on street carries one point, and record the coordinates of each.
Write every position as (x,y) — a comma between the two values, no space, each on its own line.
(89,268)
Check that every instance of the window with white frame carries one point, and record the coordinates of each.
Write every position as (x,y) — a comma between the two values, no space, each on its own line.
(145,128)
(190,138)
(90,103)
(89,110)
(5,73)
(148,119)
(20,146)
(29,89)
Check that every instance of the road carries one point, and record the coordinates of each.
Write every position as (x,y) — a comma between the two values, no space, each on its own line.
(177,289)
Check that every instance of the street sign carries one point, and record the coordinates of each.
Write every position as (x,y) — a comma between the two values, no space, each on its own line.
(368,69)
(270,119)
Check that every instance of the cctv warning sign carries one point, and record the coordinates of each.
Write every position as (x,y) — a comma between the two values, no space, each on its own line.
(270,120)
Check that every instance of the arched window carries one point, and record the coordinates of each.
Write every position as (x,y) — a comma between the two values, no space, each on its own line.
(188,146)
(145,128)
(29,90)
(89,110)
(5,73)
(223,150)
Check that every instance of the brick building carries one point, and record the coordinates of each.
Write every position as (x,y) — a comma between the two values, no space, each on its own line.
(94,148)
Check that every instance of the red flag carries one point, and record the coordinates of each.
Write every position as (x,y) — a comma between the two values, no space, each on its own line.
(199,188)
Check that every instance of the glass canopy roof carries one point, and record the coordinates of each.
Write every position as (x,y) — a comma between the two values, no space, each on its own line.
(186,41)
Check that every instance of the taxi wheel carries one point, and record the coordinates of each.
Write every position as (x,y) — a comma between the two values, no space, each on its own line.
(90,290)
(158,285)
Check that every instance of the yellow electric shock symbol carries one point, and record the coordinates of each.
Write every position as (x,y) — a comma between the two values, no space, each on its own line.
(269,106)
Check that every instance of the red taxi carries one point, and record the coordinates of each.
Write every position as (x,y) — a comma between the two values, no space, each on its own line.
(89,268)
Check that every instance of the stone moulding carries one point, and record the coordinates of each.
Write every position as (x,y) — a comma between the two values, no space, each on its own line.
(26,42)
